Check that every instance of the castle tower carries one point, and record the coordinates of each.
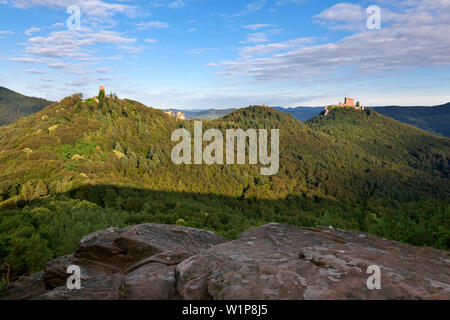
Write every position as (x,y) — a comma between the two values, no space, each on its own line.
(181,116)
(349,102)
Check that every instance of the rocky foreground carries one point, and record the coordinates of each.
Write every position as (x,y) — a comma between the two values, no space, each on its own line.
(152,261)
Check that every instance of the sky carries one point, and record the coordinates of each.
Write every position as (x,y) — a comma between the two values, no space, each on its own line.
(201,54)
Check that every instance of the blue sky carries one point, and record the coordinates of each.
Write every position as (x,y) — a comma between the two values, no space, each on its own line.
(194,54)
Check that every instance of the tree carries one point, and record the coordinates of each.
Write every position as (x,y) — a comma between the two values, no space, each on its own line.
(101,98)
(27,191)
(5,248)
(118,147)
(8,272)
(110,198)
(101,94)
(41,189)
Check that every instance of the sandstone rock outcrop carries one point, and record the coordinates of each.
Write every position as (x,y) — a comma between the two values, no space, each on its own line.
(137,262)
(161,262)
(284,262)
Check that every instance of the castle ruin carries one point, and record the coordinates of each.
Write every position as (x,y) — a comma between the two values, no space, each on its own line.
(348,102)
(180,116)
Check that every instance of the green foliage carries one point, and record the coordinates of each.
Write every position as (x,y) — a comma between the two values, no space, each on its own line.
(81,147)
(352,169)
(101,100)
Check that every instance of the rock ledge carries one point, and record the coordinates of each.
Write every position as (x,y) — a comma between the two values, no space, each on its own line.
(164,262)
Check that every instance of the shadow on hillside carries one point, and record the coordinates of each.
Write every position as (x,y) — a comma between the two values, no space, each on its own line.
(60,221)
(226,215)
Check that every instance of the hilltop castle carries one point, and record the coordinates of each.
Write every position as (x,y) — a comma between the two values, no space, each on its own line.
(348,102)
(180,115)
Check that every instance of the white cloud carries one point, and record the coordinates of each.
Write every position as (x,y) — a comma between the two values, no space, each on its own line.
(36,71)
(71,43)
(29,32)
(250,8)
(258,37)
(76,52)
(108,78)
(8,32)
(73,52)
(28,59)
(92,8)
(257,26)
(198,51)
(274,47)
(73,68)
(177,4)
(352,17)
(103,70)
(80,82)
(417,36)
(345,16)
(172,4)
(58,25)
(152,25)
(151,41)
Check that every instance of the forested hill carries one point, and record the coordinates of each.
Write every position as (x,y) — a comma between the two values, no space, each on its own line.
(434,119)
(79,166)
(391,141)
(14,105)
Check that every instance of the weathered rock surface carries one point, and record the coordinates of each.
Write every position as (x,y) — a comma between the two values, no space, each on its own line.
(275,261)
(137,262)
(24,288)
(284,262)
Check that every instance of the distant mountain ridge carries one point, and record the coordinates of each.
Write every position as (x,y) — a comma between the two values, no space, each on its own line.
(433,119)
(205,114)
(302,113)
(14,105)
